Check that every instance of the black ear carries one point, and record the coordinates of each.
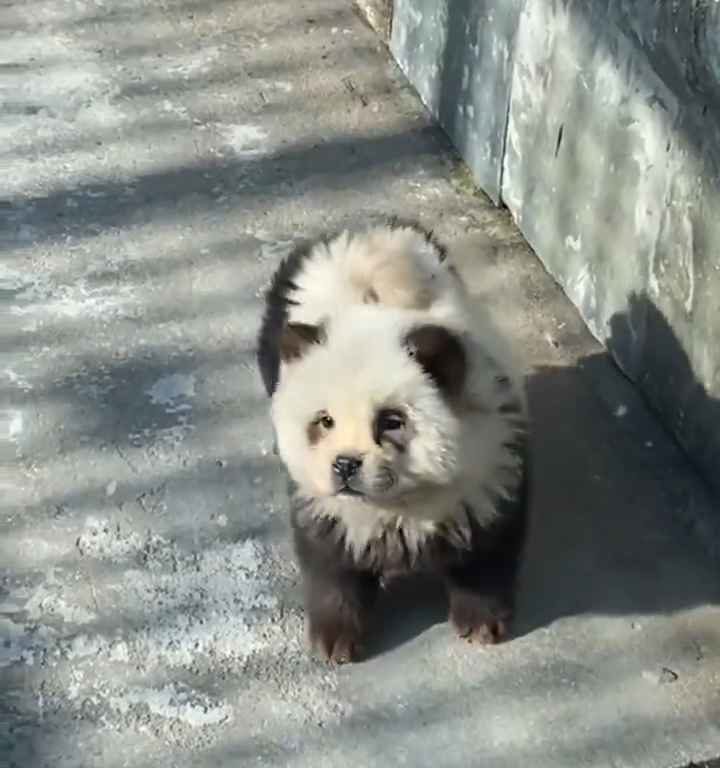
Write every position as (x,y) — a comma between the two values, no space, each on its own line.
(297,337)
(442,356)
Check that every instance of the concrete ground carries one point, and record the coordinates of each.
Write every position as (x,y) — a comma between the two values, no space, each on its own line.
(158,158)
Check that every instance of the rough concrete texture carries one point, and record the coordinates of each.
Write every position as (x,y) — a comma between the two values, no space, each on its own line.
(458,54)
(609,159)
(378,14)
(158,159)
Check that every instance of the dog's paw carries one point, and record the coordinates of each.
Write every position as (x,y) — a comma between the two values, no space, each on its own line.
(479,619)
(335,641)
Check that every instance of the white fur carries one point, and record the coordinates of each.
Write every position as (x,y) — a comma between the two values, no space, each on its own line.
(370,290)
(391,267)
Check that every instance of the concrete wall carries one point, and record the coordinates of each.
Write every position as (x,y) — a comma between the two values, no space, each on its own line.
(597,124)
(458,55)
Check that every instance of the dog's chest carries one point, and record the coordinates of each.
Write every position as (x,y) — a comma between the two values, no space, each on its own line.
(393,544)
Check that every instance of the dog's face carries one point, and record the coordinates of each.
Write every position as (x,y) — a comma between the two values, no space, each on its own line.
(367,411)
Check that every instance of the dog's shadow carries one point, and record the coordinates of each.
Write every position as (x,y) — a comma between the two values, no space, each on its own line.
(405,610)
(604,538)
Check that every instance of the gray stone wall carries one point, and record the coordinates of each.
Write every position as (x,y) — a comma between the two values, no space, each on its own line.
(458,55)
(598,124)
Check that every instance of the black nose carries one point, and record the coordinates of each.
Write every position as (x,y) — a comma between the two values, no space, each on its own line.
(346,466)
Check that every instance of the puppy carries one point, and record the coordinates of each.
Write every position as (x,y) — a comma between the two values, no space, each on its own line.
(402,422)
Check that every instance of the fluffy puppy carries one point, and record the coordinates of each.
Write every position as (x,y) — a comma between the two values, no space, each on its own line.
(402,423)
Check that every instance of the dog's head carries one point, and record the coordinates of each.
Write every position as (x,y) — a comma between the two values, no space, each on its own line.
(368,408)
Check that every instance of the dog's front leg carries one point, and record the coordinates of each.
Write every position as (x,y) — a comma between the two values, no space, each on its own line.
(481,594)
(481,582)
(338,605)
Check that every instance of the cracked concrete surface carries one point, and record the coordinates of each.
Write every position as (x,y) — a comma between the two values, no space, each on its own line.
(158,158)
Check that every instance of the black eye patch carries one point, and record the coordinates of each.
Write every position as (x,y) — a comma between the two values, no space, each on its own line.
(389,425)
(319,426)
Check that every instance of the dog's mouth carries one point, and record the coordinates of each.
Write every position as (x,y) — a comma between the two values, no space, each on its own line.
(380,487)
(347,491)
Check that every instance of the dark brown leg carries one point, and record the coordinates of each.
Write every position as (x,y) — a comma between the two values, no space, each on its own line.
(338,606)
(339,595)
(481,582)
(481,599)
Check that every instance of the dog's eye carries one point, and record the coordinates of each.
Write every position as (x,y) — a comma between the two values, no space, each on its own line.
(325,420)
(390,421)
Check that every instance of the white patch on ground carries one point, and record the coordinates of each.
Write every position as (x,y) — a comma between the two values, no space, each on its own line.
(17,380)
(193,62)
(214,604)
(119,652)
(281,86)
(165,438)
(75,686)
(58,73)
(212,607)
(101,114)
(103,540)
(175,702)
(11,280)
(173,392)
(37,550)
(274,251)
(173,109)
(8,606)
(11,424)
(57,88)
(84,646)
(41,301)
(243,139)
(621,411)
(51,600)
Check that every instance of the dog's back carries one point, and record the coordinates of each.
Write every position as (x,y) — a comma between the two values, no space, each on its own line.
(397,265)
